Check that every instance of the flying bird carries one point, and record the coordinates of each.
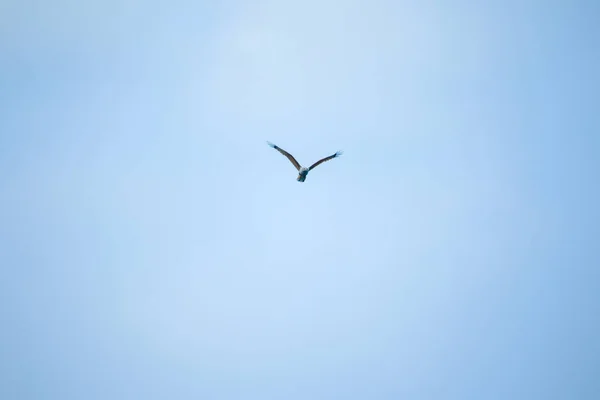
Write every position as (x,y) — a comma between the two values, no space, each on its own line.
(302,171)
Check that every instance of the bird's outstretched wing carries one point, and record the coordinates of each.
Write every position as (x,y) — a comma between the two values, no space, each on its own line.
(339,153)
(285,153)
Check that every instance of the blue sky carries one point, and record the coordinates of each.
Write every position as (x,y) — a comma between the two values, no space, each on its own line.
(153,246)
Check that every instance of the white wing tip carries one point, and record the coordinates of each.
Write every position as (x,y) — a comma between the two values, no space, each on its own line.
(270,144)
(339,153)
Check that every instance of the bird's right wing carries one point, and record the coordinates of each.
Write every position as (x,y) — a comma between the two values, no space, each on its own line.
(322,160)
(285,153)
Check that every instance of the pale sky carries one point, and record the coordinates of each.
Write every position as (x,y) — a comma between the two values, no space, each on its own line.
(152,246)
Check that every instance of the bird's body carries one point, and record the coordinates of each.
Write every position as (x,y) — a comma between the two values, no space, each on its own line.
(302,174)
(302,171)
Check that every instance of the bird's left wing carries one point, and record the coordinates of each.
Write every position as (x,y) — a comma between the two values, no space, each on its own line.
(285,153)
(339,153)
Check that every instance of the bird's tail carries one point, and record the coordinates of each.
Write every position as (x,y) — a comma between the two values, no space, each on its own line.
(301,178)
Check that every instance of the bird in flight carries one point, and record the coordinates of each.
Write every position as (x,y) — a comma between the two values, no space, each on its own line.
(302,171)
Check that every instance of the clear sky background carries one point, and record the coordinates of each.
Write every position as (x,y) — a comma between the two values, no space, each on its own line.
(152,246)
